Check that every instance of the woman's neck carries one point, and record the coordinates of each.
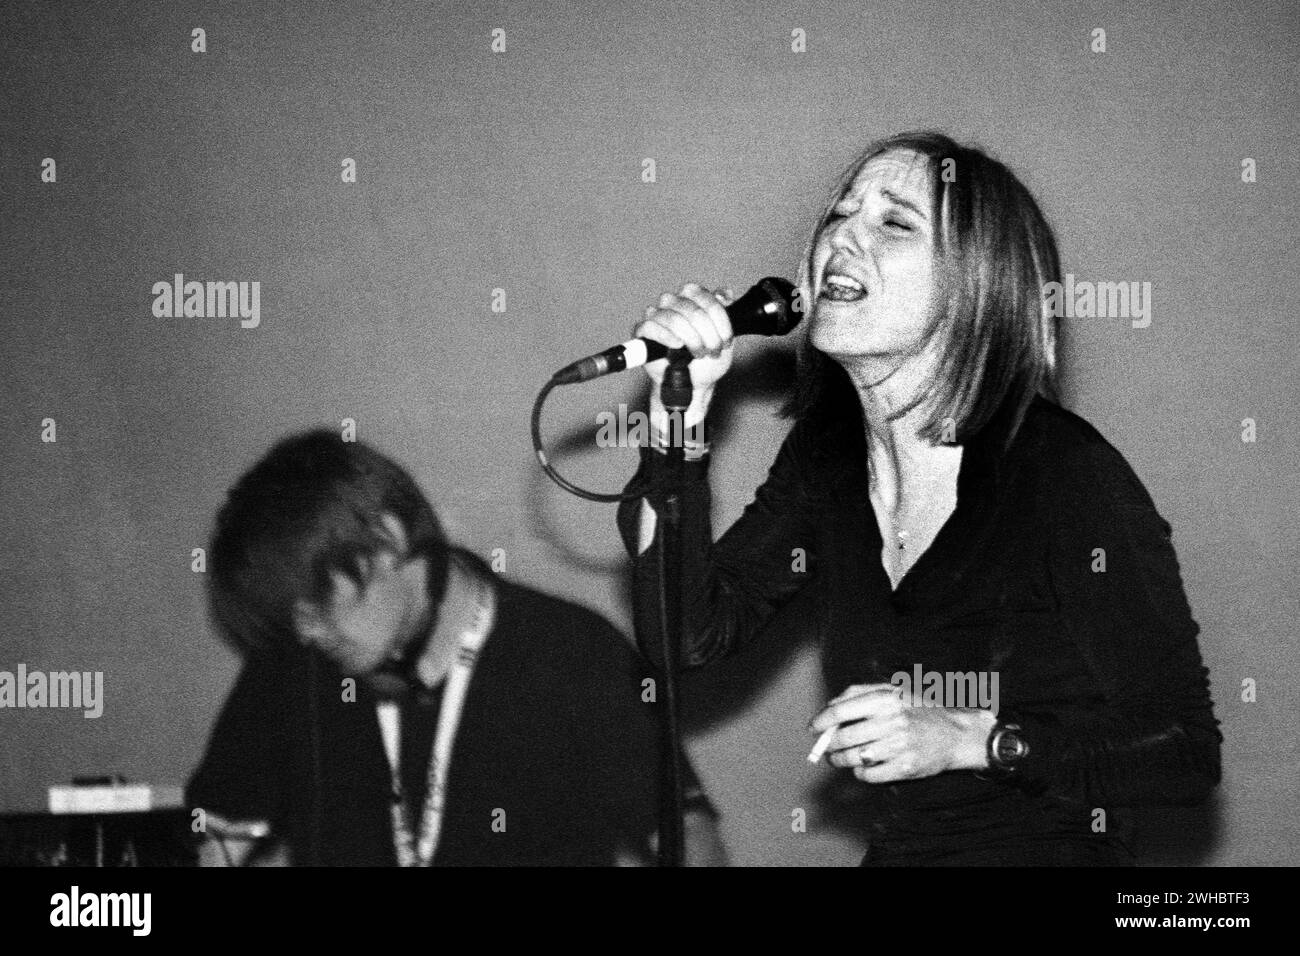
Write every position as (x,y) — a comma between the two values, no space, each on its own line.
(903,465)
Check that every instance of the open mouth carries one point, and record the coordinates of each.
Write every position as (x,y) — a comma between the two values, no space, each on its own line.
(842,288)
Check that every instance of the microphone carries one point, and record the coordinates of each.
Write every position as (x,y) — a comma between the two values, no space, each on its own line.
(766,309)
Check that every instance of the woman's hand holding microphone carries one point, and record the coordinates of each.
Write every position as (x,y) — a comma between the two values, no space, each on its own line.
(693,318)
(696,319)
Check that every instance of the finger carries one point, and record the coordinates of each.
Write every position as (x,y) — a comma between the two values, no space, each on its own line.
(716,324)
(887,746)
(880,773)
(850,757)
(680,315)
(651,317)
(887,771)
(854,759)
(873,703)
(656,331)
(854,735)
(855,690)
(697,305)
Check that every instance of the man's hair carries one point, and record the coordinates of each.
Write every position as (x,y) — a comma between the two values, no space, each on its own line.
(994,252)
(313,505)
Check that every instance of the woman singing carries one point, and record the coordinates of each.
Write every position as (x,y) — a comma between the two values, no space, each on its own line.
(950,518)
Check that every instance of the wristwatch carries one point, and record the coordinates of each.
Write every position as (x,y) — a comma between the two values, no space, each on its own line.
(1007,748)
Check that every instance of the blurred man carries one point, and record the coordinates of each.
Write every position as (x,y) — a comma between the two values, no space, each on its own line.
(400,703)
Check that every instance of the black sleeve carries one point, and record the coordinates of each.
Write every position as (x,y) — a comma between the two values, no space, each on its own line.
(734,587)
(615,743)
(241,776)
(1157,742)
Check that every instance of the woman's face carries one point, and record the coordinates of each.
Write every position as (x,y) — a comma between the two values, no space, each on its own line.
(873,271)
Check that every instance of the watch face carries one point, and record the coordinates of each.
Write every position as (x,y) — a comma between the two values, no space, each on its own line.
(1009,747)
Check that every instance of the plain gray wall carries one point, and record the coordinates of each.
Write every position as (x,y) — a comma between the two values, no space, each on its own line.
(522,170)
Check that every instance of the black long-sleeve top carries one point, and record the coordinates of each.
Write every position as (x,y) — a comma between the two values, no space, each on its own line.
(1055,571)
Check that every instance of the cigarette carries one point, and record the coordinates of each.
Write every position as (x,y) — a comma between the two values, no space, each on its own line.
(823,743)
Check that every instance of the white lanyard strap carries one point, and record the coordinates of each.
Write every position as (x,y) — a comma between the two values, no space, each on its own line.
(453,705)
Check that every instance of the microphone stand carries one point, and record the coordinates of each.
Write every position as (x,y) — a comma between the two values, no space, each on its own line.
(675,393)
(770,308)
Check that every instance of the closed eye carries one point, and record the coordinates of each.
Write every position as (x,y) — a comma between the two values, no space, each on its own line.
(842,210)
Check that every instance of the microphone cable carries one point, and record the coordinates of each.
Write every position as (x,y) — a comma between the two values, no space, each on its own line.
(540,450)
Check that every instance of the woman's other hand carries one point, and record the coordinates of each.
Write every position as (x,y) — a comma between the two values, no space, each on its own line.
(885,738)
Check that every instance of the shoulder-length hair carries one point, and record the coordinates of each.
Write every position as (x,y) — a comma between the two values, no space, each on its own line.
(995,335)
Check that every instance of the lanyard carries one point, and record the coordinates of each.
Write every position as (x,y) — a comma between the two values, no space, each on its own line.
(409,851)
